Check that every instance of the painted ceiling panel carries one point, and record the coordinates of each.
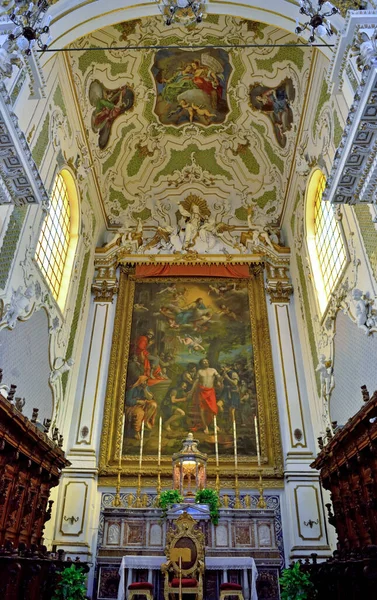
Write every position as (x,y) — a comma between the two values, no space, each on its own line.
(218,123)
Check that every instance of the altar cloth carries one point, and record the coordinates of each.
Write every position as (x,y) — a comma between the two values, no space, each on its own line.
(212,563)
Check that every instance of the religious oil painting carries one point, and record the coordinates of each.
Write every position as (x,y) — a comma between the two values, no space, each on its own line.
(276,104)
(191,86)
(109,105)
(190,358)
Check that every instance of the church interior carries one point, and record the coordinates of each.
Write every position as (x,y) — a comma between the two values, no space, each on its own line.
(188,299)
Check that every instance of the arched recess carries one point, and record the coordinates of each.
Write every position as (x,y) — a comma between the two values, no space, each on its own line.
(58,238)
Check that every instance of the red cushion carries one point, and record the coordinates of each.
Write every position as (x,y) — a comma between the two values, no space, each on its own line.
(140,585)
(231,586)
(185,582)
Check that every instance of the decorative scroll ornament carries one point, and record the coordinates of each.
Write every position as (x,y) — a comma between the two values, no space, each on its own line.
(185,12)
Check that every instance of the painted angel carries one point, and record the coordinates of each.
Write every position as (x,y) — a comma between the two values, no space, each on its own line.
(193,344)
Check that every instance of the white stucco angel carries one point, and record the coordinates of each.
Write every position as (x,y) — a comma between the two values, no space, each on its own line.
(130,237)
(257,234)
(195,211)
(366,314)
(211,231)
(365,49)
(325,370)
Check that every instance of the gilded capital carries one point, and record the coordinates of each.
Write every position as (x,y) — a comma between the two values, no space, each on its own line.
(278,284)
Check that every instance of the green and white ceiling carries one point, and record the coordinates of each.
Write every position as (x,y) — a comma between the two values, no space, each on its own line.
(152,157)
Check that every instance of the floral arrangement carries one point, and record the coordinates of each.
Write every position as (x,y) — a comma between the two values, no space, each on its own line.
(211,497)
(167,499)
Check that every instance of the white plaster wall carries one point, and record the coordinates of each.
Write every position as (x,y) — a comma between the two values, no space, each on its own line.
(25,363)
(355,360)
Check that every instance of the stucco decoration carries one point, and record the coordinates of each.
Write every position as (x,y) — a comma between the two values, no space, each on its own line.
(191,128)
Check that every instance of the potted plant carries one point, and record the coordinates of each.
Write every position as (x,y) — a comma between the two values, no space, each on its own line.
(71,584)
(167,499)
(210,497)
(295,584)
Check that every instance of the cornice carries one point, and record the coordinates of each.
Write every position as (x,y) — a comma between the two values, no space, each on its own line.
(19,174)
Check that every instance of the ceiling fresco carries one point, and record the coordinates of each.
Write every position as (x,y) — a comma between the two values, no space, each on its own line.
(216,124)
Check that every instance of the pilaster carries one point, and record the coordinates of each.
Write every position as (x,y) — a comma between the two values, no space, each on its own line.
(78,502)
(304,523)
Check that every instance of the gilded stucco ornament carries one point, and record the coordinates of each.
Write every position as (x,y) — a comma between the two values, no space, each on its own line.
(105,284)
(278,284)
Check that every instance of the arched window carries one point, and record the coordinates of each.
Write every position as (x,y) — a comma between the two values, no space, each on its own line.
(325,240)
(58,238)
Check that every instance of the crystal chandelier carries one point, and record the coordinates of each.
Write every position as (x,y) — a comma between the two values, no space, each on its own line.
(184,12)
(30,27)
(317,23)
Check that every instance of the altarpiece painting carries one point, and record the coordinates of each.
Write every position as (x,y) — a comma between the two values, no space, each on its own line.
(186,350)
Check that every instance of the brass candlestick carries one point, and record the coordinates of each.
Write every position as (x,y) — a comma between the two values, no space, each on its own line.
(158,489)
(237,502)
(217,480)
(138,503)
(117,501)
(261,502)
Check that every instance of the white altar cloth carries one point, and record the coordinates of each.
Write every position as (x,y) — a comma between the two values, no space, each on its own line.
(212,563)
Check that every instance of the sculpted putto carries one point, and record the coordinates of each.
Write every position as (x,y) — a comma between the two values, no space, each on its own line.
(366,314)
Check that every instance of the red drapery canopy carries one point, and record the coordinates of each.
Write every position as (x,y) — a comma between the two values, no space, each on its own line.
(164,270)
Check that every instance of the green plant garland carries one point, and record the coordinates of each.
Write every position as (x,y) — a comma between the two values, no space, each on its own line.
(211,497)
(295,584)
(167,499)
(71,585)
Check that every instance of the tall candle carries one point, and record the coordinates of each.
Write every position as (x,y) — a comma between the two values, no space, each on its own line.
(257,440)
(235,443)
(141,445)
(121,441)
(159,441)
(216,444)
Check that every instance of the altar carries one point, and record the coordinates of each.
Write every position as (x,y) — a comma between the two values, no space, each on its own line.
(242,545)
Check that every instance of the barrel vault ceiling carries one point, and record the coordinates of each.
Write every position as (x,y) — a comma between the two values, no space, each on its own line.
(220,125)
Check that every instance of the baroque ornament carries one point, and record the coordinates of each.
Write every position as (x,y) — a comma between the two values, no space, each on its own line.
(365,49)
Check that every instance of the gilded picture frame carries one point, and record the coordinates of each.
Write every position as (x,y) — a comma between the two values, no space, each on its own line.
(268,419)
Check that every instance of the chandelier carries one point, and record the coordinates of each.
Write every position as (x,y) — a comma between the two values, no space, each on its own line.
(317,23)
(185,12)
(30,27)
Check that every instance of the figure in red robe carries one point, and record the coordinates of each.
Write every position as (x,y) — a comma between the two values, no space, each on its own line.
(150,362)
(203,393)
